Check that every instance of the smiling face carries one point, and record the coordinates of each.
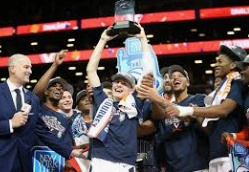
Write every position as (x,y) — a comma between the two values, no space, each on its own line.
(84,104)
(66,102)
(54,92)
(223,66)
(167,84)
(179,82)
(20,70)
(120,88)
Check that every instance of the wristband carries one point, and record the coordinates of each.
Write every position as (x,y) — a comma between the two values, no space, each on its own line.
(185,111)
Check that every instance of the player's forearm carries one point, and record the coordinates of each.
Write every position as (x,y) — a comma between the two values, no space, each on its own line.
(146,128)
(209,112)
(158,107)
(206,112)
(145,45)
(157,111)
(41,85)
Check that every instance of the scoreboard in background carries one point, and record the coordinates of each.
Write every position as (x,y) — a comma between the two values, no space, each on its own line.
(6,31)
(157,17)
(141,18)
(224,12)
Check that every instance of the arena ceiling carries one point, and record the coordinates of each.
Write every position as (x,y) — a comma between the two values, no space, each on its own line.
(15,12)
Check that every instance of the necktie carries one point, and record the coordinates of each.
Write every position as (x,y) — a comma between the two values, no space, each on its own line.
(18,100)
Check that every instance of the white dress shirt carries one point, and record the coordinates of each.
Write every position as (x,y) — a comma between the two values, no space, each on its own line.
(12,88)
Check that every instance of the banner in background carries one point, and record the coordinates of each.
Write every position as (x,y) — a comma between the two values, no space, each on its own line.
(132,59)
(46,160)
(6,31)
(239,155)
(47,27)
(159,49)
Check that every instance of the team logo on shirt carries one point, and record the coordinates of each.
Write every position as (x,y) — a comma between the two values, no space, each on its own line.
(54,125)
(175,122)
(79,127)
(171,120)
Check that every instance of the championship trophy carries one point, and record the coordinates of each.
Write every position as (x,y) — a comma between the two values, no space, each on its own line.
(124,19)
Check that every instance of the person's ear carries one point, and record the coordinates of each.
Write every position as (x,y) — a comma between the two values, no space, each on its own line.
(188,84)
(233,66)
(46,93)
(12,69)
(133,89)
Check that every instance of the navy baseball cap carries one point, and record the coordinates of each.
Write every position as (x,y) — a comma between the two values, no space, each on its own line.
(61,81)
(236,53)
(66,86)
(242,64)
(80,95)
(178,68)
(126,76)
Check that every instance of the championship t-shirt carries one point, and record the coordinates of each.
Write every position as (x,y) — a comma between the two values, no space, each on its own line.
(122,134)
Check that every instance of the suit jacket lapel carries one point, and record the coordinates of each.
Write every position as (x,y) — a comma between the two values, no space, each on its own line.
(26,95)
(6,93)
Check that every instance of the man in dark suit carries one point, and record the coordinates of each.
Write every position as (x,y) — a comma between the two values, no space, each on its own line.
(18,128)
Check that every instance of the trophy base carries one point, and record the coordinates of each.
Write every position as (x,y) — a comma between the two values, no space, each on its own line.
(124,28)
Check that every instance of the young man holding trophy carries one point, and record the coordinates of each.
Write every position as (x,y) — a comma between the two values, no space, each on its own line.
(114,129)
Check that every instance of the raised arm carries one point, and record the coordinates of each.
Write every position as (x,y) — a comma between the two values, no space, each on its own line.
(41,85)
(215,111)
(93,63)
(143,38)
(146,90)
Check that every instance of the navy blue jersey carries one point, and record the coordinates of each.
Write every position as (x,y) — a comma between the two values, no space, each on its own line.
(232,123)
(122,134)
(182,141)
(78,125)
(146,144)
(58,123)
(146,115)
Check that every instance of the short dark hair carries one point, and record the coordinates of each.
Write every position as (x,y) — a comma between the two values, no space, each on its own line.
(164,70)
(79,95)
